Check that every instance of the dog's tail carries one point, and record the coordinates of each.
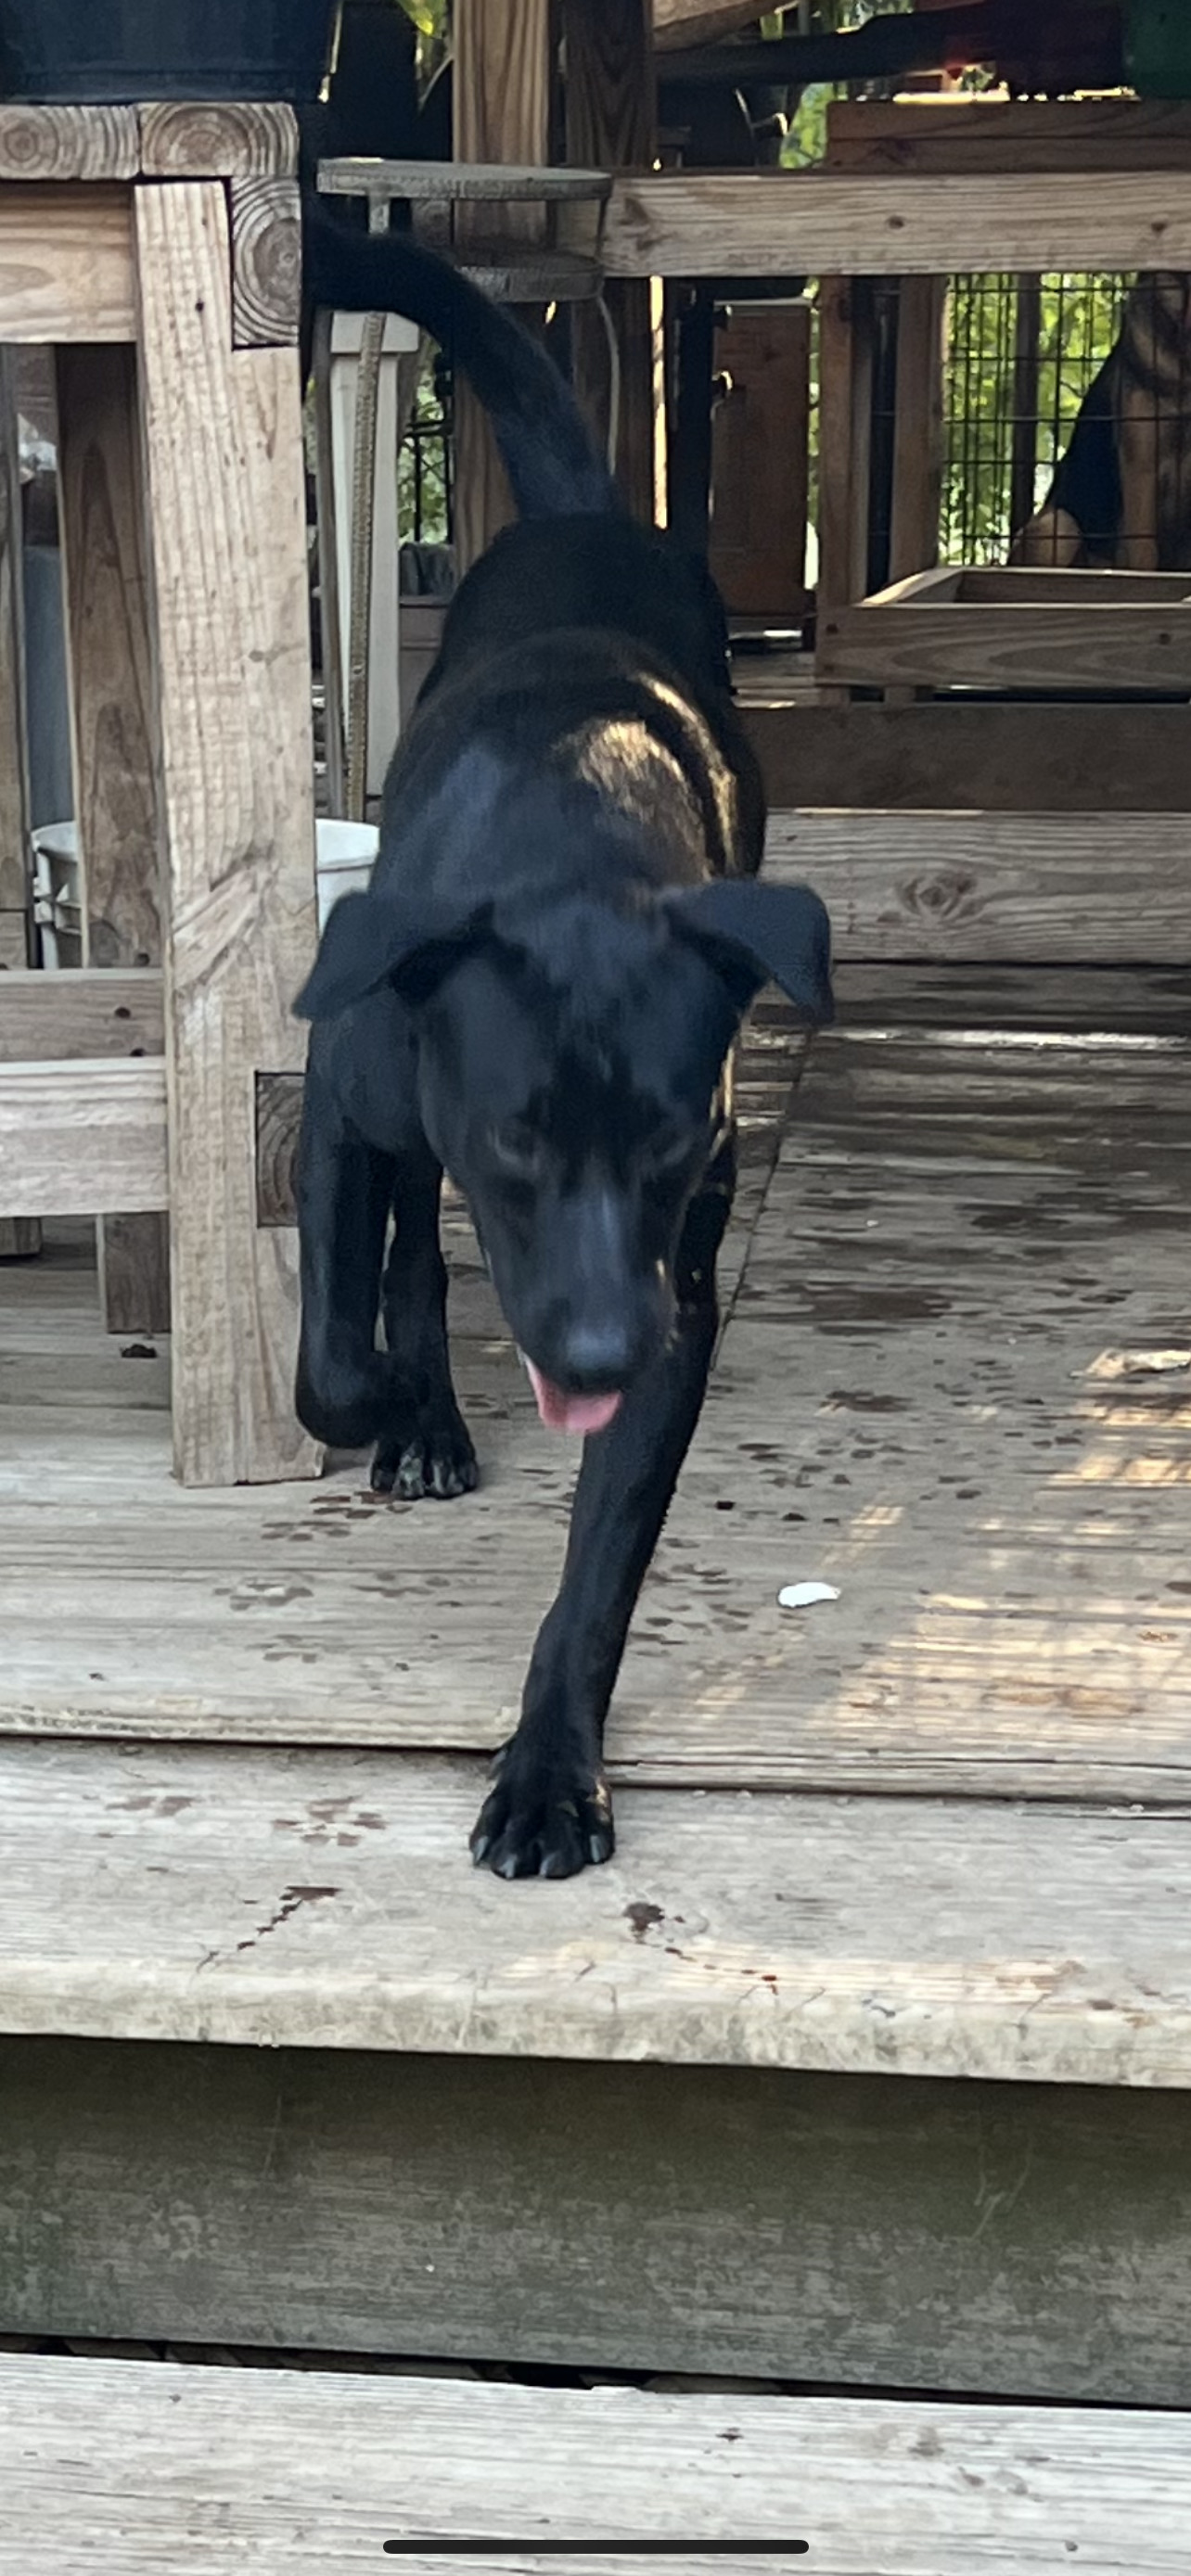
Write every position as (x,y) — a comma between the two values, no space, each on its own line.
(551,460)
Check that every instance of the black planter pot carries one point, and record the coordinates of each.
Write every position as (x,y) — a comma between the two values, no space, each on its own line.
(111,50)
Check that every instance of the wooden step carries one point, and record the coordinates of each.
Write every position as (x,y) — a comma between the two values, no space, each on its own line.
(326,1900)
(111,2467)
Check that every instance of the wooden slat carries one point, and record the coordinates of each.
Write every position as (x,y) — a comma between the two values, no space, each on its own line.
(987,646)
(1146,1002)
(269,1901)
(266,261)
(68,143)
(809,223)
(1026,758)
(66,264)
(218,139)
(1033,2237)
(1046,889)
(227,535)
(86,1012)
(101,510)
(971,133)
(112,2462)
(82,1139)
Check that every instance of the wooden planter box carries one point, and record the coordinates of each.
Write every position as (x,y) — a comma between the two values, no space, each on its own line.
(1018,630)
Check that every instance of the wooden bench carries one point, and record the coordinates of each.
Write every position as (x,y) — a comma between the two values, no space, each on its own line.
(109,2464)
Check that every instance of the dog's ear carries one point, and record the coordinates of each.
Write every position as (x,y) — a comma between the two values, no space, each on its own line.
(753,932)
(368,942)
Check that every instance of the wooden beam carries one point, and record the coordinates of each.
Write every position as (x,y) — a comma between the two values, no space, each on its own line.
(82,1139)
(1045,889)
(266,261)
(967,134)
(101,512)
(814,223)
(610,125)
(84,1012)
(1025,758)
(313,2191)
(66,264)
(227,543)
(221,139)
(845,436)
(503,70)
(60,143)
(986,645)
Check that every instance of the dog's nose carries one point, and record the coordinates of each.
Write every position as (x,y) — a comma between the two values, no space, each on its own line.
(597,1358)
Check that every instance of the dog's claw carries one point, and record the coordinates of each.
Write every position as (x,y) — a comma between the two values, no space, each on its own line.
(535,1823)
(434,1461)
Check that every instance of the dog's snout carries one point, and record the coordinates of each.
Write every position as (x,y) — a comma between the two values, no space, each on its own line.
(598,1357)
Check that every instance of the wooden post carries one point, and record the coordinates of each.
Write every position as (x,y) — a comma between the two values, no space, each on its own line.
(917,427)
(227,561)
(503,64)
(20,1236)
(845,437)
(108,646)
(610,125)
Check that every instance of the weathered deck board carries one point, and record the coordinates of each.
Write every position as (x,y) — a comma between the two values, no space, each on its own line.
(115,2464)
(925,1395)
(325,1900)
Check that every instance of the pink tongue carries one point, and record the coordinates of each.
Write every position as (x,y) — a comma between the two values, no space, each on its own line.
(578,1413)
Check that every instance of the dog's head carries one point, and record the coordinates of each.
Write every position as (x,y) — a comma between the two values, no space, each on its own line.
(571,1061)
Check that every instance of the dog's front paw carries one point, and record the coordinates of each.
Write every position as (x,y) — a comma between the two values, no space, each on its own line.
(545,1816)
(430,1456)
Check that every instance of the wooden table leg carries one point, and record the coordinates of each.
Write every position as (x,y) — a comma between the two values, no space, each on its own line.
(20,1236)
(103,549)
(227,561)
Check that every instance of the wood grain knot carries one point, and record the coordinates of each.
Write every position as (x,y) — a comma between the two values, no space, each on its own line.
(944,896)
(278,1119)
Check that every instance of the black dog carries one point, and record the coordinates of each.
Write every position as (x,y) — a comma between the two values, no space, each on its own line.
(540,994)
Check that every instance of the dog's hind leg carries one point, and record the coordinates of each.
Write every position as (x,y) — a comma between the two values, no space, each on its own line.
(549,1811)
(427,1449)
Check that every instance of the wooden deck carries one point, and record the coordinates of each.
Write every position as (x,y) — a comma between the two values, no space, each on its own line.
(933,1830)
(955,1381)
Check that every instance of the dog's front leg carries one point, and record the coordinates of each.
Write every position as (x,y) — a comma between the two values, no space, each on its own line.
(344,1191)
(549,1811)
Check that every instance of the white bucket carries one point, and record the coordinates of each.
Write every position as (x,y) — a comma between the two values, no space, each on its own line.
(57,908)
(345,855)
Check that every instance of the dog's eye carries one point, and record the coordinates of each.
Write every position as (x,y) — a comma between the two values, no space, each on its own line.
(518,1149)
